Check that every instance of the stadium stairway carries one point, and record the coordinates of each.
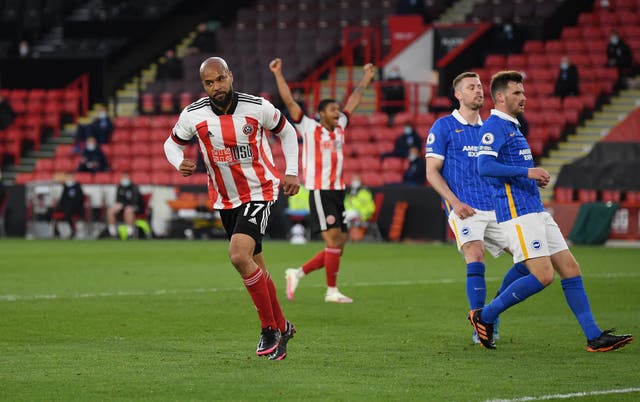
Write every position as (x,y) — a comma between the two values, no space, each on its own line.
(457,12)
(368,102)
(580,143)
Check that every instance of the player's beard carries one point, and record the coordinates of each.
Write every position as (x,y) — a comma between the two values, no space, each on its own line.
(225,101)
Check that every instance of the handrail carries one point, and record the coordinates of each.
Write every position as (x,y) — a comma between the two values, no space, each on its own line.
(81,84)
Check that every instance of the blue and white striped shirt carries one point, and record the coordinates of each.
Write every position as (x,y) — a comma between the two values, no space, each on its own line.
(455,141)
(513,195)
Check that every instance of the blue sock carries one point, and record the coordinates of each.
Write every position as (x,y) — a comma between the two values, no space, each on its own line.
(578,301)
(518,291)
(476,285)
(517,271)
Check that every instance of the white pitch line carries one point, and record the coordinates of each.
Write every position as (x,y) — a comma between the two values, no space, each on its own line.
(160,292)
(566,396)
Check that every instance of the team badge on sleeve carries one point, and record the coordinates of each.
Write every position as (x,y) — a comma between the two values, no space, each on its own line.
(431,138)
(487,139)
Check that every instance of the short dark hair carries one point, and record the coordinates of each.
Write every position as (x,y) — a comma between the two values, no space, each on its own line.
(500,81)
(461,76)
(323,104)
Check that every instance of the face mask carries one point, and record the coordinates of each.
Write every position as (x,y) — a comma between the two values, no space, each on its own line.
(125,182)
(614,40)
(102,115)
(393,75)
(407,130)
(413,157)
(564,65)
(69,183)
(355,185)
(508,28)
(91,147)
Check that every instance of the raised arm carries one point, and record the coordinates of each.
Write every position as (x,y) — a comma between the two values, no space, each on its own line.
(356,95)
(283,88)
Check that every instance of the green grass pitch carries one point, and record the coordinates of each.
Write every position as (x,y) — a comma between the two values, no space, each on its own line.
(171,321)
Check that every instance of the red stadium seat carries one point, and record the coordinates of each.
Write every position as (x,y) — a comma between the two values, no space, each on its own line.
(358,120)
(536,146)
(533,46)
(378,119)
(392,164)
(587,195)
(632,196)
(563,194)
(610,195)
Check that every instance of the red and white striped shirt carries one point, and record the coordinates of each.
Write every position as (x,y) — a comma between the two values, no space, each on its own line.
(235,150)
(322,155)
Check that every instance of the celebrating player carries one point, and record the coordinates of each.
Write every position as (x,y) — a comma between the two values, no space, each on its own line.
(323,159)
(243,182)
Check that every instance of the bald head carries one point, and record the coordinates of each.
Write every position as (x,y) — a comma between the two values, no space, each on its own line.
(214,62)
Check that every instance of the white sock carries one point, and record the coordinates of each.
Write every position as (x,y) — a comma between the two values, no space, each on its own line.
(130,230)
(112,230)
(299,273)
(332,290)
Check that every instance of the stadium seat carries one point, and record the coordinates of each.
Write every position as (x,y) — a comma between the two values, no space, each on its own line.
(587,195)
(610,195)
(563,194)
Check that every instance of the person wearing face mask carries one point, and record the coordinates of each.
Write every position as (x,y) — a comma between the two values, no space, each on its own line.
(359,207)
(407,139)
(128,202)
(71,204)
(101,128)
(416,173)
(568,79)
(618,53)
(93,159)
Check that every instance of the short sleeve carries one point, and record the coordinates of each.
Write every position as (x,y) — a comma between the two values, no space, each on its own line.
(491,140)
(437,141)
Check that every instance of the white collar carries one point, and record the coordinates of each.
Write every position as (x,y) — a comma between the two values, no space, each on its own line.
(458,116)
(505,116)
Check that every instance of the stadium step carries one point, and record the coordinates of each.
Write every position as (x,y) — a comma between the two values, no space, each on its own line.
(457,12)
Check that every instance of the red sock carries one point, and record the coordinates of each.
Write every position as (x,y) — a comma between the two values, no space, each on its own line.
(275,304)
(316,262)
(332,264)
(259,291)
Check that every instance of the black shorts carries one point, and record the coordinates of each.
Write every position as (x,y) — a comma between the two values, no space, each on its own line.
(250,219)
(326,209)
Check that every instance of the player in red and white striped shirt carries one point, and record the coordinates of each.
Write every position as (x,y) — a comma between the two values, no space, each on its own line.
(243,182)
(323,160)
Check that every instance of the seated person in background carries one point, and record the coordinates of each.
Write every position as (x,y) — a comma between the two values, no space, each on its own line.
(567,81)
(416,173)
(93,159)
(409,138)
(101,128)
(172,68)
(71,203)
(7,114)
(129,201)
(618,52)
(205,41)
(359,207)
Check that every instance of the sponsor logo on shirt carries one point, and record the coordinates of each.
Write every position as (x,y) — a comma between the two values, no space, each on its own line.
(232,155)
(471,150)
(526,154)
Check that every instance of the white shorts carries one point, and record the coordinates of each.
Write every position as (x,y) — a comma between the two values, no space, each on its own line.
(482,226)
(533,235)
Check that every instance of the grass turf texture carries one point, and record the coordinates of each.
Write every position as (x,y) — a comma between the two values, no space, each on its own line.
(170,320)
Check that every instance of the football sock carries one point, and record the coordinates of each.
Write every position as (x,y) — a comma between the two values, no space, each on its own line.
(578,301)
(518,291)
(316,262)
(517,271)
(332,265)
(275,304)
(259,292)
(476,285)
(112,230)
